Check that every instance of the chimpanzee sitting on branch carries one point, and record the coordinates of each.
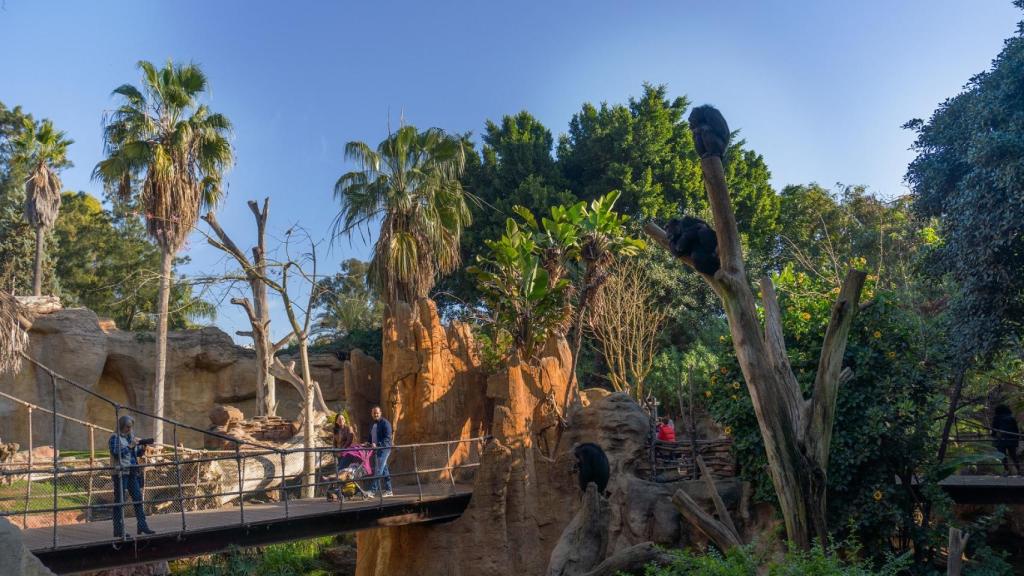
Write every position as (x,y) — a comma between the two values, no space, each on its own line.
(692,238)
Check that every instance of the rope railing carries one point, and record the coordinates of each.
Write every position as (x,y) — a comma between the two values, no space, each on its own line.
(87,487)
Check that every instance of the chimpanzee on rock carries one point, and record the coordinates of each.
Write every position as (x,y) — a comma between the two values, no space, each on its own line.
(694,239)
(592,466)
(710,132)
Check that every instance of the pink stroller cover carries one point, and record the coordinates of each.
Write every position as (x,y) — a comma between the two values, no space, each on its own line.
(361,455)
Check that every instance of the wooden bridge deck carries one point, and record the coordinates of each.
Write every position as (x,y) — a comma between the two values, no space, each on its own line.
(984,489)
(90,545)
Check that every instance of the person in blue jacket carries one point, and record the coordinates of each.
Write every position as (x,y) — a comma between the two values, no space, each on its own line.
(381,440)
(125,450)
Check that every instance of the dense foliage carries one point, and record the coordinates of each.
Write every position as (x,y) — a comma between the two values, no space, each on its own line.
(103,261)
(17,240)
(970,172)
(750,561)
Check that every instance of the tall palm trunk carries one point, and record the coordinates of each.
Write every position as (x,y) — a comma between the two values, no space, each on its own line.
(37,270)
(166,264)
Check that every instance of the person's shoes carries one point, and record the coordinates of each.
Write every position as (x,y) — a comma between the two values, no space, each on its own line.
(146,531)
(388,493)
(370,494)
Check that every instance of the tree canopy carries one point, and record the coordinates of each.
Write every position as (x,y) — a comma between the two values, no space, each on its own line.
(969,173)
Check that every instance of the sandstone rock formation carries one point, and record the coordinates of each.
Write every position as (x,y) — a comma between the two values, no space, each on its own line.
(525,492)
(204,368)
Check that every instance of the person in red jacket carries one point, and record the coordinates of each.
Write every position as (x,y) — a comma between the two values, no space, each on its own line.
(666,430)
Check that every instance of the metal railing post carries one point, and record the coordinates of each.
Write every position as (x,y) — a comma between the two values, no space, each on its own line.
(195,486)
(416,469)
(448,462)
(116,480)
(284,486)
(177,474)
(53,382)
(318,478)
(92,464)
(145,482)
(241,500)
(28,482)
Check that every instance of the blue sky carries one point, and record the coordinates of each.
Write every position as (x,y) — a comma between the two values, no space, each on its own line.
(820,88)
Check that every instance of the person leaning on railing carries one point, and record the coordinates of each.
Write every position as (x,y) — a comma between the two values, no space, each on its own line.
(381,440)
(125,450)
(343,437)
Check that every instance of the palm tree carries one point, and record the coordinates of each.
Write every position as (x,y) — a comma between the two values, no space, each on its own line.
(169,153)
(411,181)
(13,335)
(43,151)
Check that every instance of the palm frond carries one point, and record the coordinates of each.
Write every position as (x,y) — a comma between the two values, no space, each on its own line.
(411,180)
(178,150)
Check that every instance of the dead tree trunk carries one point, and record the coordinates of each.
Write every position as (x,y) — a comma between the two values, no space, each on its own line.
(955,558)
(722,531)
(797,432)
(584,542)
(257,311)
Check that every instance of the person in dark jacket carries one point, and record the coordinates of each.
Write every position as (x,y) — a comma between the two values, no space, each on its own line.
(1006,436)
(380,438)
(125,450)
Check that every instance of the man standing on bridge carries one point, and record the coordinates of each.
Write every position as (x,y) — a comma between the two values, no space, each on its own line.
(381,441)
(125,450)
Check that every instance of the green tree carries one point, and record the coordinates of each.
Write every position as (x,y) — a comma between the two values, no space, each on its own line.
(822,230)
(411,181)
(346,303)
(523,299)
(103,261)
(17,241)
(515,167)
(884,440)
(169,152)
(42,149)
(969,173)
(645,150)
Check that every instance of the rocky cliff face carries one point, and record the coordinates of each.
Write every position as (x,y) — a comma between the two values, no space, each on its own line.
(525,491)
(204,368)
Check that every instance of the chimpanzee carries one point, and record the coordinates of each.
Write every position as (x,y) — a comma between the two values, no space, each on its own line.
(592,466)
(710,131)
(693,238)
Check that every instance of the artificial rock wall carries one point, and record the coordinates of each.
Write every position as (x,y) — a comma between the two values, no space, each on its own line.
(204,368)
(525,492)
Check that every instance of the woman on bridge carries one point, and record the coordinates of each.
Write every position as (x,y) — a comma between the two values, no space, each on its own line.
(125,450)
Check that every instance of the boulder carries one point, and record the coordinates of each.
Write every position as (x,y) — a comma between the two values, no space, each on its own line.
(17,560)
(221,415)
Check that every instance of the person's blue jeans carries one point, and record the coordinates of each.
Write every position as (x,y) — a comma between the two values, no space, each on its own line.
(129,482)
(380,468)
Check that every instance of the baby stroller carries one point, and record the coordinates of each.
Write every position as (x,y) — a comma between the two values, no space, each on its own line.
(353,465)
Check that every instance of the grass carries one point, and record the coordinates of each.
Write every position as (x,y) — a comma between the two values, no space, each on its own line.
(300,558)
(12,497)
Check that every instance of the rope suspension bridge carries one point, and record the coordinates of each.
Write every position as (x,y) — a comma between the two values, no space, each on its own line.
(204,501)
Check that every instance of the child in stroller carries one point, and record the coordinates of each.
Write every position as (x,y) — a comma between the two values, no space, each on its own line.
(353,464)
